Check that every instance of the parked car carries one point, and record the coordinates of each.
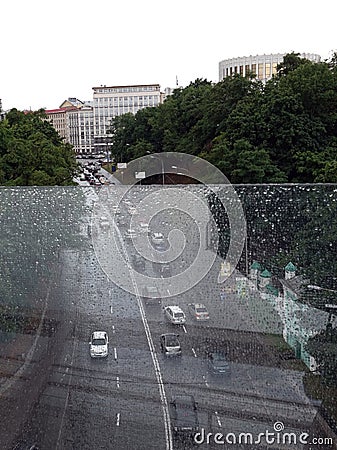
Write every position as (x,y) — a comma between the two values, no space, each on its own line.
(218,363)
(175,314)
(98,344)
(151,295)
(184,416)
(198,311)
(170,345)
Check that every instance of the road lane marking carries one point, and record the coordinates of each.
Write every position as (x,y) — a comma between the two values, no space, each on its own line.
(113,329)
(118,419)
(68,389)
(117,381)
(110,309)
(161,387)
(115,352)
(184,328)
(194,352)
(218,419)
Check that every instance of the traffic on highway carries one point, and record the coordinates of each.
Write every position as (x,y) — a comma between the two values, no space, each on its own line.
(143,353)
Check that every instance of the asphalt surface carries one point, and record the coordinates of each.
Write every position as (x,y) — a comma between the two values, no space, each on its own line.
(66,400)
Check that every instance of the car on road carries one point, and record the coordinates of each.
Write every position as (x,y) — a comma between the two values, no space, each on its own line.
(130,234)
(198,311)
(184,416)
(175,314)
(151,295)
(163,269)
(158,240)
(98,344)
(138,262)
(218,363)
(170,345)
(104,223)
(144,227)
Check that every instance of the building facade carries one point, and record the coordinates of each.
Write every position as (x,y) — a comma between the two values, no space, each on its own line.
(264,66)
(85,125)
(74,122)
(112,101)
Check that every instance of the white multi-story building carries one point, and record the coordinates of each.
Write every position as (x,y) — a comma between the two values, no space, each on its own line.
(85,125)
(263,66)
(112,101)
(81,129)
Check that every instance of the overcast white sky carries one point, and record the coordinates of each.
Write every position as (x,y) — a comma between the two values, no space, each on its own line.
(54,50)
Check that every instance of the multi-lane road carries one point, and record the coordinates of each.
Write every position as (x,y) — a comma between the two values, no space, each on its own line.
(69,401)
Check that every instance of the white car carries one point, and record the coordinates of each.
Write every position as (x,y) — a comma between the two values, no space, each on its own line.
(144,227)
(130,234)
(175,314)
(98,344)
(198,311)
(104,223)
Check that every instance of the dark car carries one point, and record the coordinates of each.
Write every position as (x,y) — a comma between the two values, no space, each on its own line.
(151,295)
(184,416)
(170,345)
(163,269)
(138,262)
(218,363)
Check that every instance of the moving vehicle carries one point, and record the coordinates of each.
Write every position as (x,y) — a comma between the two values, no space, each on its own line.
(151,295)
(104,223)
(158,241)
(138,262)
(170,345)
(184,416)
(98,345)
(175,314)
(198,311)
(218,363)
(163,269)
(130,234)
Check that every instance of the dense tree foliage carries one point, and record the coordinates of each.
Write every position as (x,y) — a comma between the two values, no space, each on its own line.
(32,153)
(282,131)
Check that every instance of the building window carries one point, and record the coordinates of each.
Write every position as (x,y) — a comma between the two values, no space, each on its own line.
(260,73)
(268,72)
(254,69)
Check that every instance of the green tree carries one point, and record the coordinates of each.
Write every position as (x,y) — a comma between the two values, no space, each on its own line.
(32,152)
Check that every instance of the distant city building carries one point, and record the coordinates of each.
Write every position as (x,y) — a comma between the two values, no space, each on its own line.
(74,122)
(2,113)
(85,125)
(112,101)
(264,66)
